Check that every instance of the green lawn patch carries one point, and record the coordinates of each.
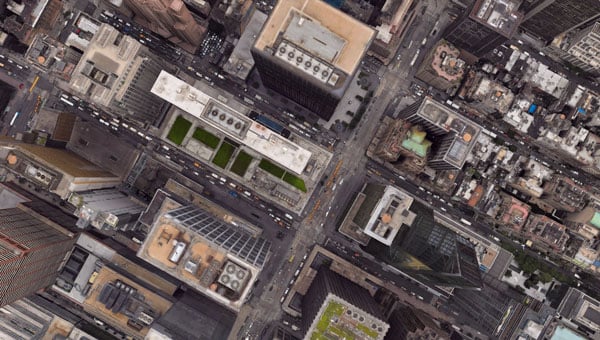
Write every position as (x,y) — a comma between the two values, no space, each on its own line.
(271,168)
(223,155)
(295,181)
(282,174)
(241,163)
(368,331)
(206,138)
(333,309)
(179,129)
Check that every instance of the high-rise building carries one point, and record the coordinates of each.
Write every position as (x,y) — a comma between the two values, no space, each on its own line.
(426,250)
(455,135)
(116,71)
(584,49)
(408,323)
(548,18)
(218,259)
(309,52)
(335,304)
(233,15)
(487,25)
(32,250)
(56,170)
(171,19)
(107,209)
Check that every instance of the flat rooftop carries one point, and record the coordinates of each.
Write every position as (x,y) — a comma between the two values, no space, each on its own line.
(464,130)
(218,260)
(94,306)
(65,161)
(500,15)
(392,211)
(240,62)
(105,61)
(319,29)
(255,136)
(338,318)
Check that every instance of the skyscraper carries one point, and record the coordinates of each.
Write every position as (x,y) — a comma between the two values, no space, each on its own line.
(430,252)
(455,134)
(487,25)
(584,50)
(171,19)
(56,170)
(116,71)
(32,250)
(409,323)
(334,303)
(309,52)
(548,18)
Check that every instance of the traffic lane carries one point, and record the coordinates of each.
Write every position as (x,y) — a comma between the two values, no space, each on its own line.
(259,205)
(261,210)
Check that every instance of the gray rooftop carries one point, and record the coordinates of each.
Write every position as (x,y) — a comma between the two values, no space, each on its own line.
(501,15)
(314,38)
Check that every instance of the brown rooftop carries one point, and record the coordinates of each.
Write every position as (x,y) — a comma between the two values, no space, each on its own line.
(66,161)
(357,35)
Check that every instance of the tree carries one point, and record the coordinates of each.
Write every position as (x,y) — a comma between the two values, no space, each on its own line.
(545,277)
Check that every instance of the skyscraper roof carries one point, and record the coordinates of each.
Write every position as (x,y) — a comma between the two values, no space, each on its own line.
(319,29)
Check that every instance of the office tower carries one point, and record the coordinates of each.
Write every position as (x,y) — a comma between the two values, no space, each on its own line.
(32,250)
(170,19)
(408,323)
(107,209)
(233,15)
(309,52)
(426,250)
(216,258)
(117,72)
(56,170)
(487,25)
(455,135)
(546,19)
(584,49)
(334,304)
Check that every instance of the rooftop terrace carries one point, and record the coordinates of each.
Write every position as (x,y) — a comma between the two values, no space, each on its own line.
(232,122)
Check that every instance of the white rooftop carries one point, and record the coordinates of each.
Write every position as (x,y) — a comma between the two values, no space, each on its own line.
(389,215)
(255,136)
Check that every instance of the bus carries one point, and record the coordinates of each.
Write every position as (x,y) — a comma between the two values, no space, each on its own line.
(66,101)
(465,222)
(414,59)
(14,118)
